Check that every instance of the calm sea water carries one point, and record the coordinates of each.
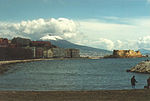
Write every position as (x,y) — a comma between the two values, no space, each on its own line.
(74,74)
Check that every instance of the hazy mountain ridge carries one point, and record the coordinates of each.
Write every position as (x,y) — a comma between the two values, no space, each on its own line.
(84,50)
(144,51)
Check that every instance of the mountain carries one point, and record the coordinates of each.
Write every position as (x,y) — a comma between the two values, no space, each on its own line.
(84,50)
(144,51)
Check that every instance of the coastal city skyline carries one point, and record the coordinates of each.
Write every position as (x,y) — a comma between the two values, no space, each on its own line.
(104,24)
(74,50)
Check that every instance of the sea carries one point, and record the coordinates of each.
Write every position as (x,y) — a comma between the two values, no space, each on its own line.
(72,75)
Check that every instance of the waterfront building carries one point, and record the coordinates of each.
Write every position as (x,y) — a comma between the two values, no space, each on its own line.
(3,42)
(7,53)
(44,44)
(22,48)
(21,42)
(58,52)
(48,53)
(39,52)
(72,53)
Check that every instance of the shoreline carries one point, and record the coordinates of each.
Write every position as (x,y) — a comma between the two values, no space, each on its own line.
(100,95)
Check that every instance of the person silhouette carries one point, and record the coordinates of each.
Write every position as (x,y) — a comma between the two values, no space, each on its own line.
(148,82)
(133,81)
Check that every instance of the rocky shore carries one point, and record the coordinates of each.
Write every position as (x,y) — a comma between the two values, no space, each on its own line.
(102,95)
(142,67)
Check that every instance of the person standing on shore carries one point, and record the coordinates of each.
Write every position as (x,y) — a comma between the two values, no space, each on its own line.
(133,81)
(148,82)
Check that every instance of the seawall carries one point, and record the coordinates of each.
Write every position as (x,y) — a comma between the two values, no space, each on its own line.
(5,65)
(20,61)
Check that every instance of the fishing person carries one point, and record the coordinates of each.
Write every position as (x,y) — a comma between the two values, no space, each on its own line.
(133,81)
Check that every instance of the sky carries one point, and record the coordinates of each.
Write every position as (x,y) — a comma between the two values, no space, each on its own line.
(104,24)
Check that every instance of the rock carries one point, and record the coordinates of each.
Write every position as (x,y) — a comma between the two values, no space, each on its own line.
(142,67)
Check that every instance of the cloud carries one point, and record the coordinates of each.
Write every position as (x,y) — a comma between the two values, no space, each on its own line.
(123,32)
(101,25)
(35,29)
(106,44)
(119,33)
(110,30)
(49,37)
(144,42)
(102,43)
(140,43)
(148,1)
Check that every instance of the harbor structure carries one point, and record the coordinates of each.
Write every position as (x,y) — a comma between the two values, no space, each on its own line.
(125,54)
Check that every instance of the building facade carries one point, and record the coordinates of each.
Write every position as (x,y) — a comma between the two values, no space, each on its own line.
(7,53)
(22,48)
(4,42)
(58,52)
(44,44)
(21,42)
(72,53)
(48,53)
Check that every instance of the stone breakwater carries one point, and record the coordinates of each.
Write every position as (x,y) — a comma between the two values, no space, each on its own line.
(142,67)
(20,61)
(4,65)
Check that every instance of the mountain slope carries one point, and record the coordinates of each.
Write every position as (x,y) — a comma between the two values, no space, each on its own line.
(144,51)
(84,50)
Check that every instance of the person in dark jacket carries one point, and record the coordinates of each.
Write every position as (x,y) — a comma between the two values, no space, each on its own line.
(133,81)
